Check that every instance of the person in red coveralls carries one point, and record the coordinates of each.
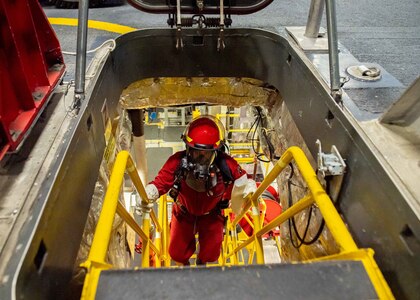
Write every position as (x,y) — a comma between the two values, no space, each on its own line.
(200,179)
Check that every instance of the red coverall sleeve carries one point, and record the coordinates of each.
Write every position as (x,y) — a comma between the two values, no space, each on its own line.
(166,176)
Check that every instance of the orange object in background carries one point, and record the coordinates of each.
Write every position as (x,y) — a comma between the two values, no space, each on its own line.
(273,209)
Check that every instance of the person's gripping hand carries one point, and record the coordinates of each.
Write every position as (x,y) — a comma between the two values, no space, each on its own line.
(152,195)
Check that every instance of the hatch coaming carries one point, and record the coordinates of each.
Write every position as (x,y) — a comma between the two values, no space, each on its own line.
(249,53)
(270,57)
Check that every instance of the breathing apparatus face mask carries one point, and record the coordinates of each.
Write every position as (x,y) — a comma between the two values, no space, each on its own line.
(200,162)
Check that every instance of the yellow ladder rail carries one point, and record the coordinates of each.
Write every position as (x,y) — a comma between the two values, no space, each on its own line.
(95,262)
(330,214)
(343,238)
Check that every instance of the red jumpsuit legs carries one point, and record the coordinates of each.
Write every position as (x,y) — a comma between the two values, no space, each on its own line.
(183,229)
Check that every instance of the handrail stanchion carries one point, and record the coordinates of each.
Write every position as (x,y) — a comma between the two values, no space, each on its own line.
(155,221)
(159,233)
(122,212)
(165,236)
(314,18)
(96,258)
(145,255)
(257,226)
(333,50)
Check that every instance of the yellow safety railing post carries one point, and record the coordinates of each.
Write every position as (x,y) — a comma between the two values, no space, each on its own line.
(166,233)
(233,246)
(257,226)
(145,255)
(96,258)
(158,236)
(330,214)
(102,235)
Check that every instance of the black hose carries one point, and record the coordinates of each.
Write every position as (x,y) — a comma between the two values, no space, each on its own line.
(292,222)
(257,122)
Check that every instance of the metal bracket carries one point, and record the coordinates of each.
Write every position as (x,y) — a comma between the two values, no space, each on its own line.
(221,39)
(200,5)
(179,42)
(330,164)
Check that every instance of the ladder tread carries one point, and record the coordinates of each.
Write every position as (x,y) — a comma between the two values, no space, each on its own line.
(320,280)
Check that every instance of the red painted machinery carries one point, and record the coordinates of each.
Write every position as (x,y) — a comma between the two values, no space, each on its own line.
(31,65)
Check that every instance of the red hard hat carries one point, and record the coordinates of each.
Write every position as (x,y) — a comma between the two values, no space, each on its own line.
(204,132)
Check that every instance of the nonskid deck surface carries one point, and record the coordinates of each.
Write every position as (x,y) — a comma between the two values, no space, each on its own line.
(324,280)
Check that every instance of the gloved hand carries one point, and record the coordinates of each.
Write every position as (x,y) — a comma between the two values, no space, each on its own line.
(242,187)
(143,206)
(152,195)
(250,188)
(152,192)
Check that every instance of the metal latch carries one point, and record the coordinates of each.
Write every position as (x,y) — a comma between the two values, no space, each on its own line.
(364,72)
(330,164)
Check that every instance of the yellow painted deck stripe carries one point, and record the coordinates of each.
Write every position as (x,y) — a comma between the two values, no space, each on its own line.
(111,27)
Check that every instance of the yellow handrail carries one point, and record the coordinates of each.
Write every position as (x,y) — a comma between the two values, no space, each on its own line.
(344,240)
(243,130)
(330,214)
(96,259)
(218,116)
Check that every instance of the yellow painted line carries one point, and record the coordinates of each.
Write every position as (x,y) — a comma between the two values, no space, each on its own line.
(111,27)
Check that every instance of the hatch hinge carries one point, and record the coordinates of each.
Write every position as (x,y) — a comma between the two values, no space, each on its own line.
(330,164)
(331,169)
(200,21)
